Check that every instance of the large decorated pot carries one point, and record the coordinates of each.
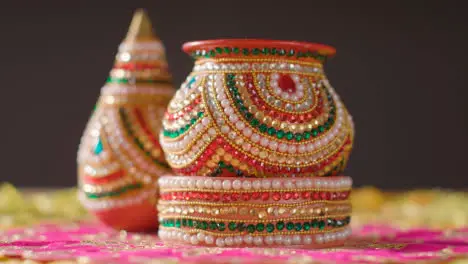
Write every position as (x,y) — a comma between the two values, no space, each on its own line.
(120,157)
(258,140)
(257,108)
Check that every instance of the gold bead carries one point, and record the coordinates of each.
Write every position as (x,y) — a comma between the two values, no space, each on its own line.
(283,125)
(235,162)
(270,210)
(252,109)
(281,210)
(220,151)
(215,158)
(210,164)
(309,126)
(275,123)
(156,152)
(243,211)
(293,211)
(262,214)
(267,120)
(227,157)
(259,115)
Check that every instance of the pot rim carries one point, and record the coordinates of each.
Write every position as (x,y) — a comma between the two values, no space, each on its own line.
(322,49)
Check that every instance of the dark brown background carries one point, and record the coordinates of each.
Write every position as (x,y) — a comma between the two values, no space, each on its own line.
(400,68)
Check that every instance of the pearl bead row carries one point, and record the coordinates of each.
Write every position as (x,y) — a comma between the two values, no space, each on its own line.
(134,158)
(185,120)
(189,138)
(290,103)
(100,171)
(107,204)
(121,90)
(319,240)
(168,183)
(145,46)
(211,66)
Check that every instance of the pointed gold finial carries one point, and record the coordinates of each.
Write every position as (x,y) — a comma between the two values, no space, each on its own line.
(140,27)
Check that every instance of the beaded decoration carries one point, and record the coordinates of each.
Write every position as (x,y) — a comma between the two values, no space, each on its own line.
(120,158)
(249,109)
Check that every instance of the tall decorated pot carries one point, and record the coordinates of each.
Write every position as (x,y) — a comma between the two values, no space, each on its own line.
(120,157)
(258,139)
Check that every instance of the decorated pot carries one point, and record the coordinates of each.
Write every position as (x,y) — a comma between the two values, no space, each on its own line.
(257,108)
(120,157)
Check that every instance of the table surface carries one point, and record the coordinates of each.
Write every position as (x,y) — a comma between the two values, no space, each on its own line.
(427,226)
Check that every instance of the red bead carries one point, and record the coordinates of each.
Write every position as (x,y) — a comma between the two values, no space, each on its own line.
(265,196)
(295,195)
(216,197)
(246,196)
(316,195)
(305,195)
(255,195)
(323,195)
(235,197)
(286,83)
(205,196)
(287,195)
(226,197)
(209,196)
(276,196)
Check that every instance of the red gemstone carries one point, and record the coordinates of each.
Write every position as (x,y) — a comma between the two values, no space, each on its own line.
(265,196)
(276,196)
(209,196)
(216,197)
(295,195)
(235,197)
(305,195)
(323,195)
(205,196)
(286,83)
(316,195)
(246,196)
(226,197)
(255,195)
(287,195)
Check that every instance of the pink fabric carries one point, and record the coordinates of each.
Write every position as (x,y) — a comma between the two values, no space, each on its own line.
(370,244)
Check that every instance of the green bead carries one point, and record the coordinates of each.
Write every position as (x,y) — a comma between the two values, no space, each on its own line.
(260,227)
(235,50)
(241,227)
(255,51)
(315,223)
(306,135)
(306,226)
(273,51)
(290,226)
(200,114)
(263,128)
(232,226)
(271,131)
(321,224)
(221,164)
(280,225)
(314,132)
(331,222)
(245,51)
(298,136)
(298,226)
(213,225)
(254,122)
(265,51)
(280,134)
(281,52)
(221,226)
(219,50)
(184,222)
(321,129)
(227,50)
(212,53)
(190,222)
(270,227)
(177,223)
(204,225)
(289,135)
(291,53)
(251,228)
(248,116)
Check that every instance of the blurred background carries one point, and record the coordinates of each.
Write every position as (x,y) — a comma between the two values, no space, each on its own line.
(401,69)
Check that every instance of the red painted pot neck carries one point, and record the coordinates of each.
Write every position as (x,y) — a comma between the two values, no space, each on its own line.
(257,47)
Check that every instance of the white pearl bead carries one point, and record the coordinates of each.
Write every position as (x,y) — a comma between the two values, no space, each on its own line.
(187,238)
(184,183)
(292,149)
(208,183)
(258,241)
(264,141)
(247,185)
(227,185)
(209,240)
(279,239)
(229,241)
(273,145)
(236,184)
(300,184)
(200,184)
(240,125)
(206,121)
(282,147)
(248,239)
(233,118)
(307,240)
(191,183)
(220,242)
(201,237)
(269,240)
(238,240)
(296,239)
(255,138)
(288,184)
(287,240)
(266,184)
(180,236)
(194,240)
(308,183)
(257,184)
(276,184)
(319,239)
(217,185)
(301,149)
(247,132)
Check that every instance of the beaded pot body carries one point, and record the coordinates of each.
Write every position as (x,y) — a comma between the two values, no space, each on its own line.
(257,108)
(120,158)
